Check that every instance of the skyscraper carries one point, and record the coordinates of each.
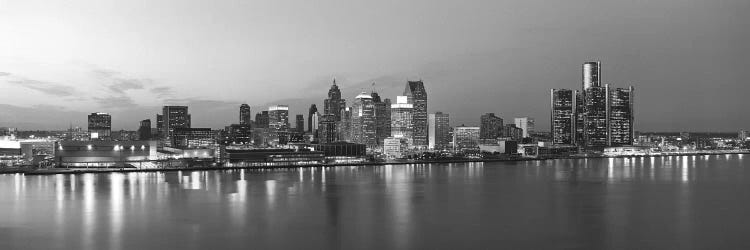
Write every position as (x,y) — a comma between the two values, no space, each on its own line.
(417,96)
(363,121)
(100,126)
(491,127)
(334,104)
(525,123)
(261,119)
(382,118)
(144,130)
(344,126)
(563,116)
(439,131)
(402,119)
(245,114)
(311,114)
(621,117)
(592,73)
(278,117)
(327,132)
(595,118)
(174,117)
(300,124)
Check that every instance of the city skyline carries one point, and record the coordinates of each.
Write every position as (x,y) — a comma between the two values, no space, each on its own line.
(57,67)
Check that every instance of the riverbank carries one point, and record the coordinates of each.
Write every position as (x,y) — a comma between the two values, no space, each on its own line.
(53,171)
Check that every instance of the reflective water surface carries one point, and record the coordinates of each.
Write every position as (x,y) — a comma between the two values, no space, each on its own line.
(680,202)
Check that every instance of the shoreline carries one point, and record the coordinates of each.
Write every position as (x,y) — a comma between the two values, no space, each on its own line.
(54,171)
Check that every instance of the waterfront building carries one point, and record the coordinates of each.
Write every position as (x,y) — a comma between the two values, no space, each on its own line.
(327,132)
(278,117)
(396,147)
(592,73)
(417,96)
(144,130)
(173,117)
(363,121)
(100,126)
(272,157)
(300,124)
(580,118)
(512,132)
(341,149)
(465,138)
(312,115)
(563,116)
(261,119)
(439,131)
(105,153)
(743,135)
(491,127)
(620,120)
(245,114)
(186,138)
(238,134)
(401,119)
(595,119)
(334,105)
(344,126)
(527,124)
(382,118)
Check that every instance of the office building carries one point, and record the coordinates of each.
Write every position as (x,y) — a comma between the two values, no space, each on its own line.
(382,118)
(100,126)
(344,126)
(595,119)
(173,117)
(465,138)
(402,119)
(621,132)
(439,131)
(144,130)
(510,131)
(261,119)
(363,121)
(491,127)
(334,105)
(527,124)
(238,134)
(278,117)
(327,132)
(311,116)
(395,148)
(245,114)
(592,73)
(187,138)
(300,124)
(563,116)
(417,96)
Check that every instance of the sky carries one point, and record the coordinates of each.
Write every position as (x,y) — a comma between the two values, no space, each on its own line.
(60,60)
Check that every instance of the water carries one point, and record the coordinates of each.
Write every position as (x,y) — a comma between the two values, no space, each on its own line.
(680,202)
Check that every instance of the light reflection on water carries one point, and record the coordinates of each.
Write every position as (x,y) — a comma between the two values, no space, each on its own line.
(531,204)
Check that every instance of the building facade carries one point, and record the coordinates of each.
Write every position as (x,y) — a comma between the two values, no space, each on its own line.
(278,117)
(563,116)
(417,96)
(439,131)
(402,119)
(621,131)
(173,117)
(363,121)
(465,138)
(312,114)
(491,127)
(144,130)
(525,123)
(245,114)
(100,126)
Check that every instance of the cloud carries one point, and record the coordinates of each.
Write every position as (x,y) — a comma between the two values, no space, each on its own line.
(49,88)
(118,84)
(162,92)
(4,74)
(115,102)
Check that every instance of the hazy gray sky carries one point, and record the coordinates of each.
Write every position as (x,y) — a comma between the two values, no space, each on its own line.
(61,59)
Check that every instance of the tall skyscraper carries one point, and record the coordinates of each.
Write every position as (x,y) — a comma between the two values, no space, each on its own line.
(312,114)
(364,121)
(592,73)
(344,126)
(527,124)
(402,119)
(327,132)
(621,116)
(334,104)
(300,124)
(144,130)
(382,118)
(439,131)
(174,117)
(491,127)
(278,117)
(245,114)
(563,116)
(417,96)
(261,119)
(100,126)
(595,118)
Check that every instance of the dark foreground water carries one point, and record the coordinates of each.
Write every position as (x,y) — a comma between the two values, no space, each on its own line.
(685,202)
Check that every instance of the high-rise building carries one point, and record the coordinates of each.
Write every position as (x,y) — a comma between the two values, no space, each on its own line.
(439,131)
(300,124)
(579,110)
(327,132)
(743,135)
(595,118)
(173,117)
(278,118)
(363,121)
(100,126)
(417,96)
(160,126)
(185,138)
(563,116)
(245,114)
(621,117)
(527,124)
(334,104)
(382,118)
(238,134)
(261,119)
(402,119)
(344,126)
(312,114)
(491,126)
(144,130)
(512,132)
(465,138)
(592,73)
